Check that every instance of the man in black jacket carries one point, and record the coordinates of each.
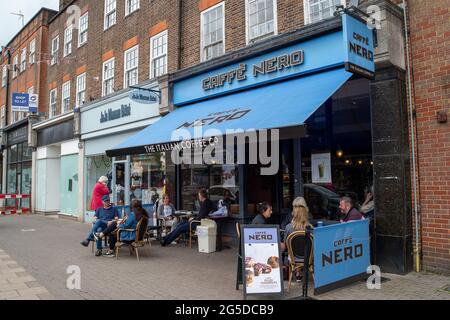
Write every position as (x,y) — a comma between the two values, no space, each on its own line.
(206,207)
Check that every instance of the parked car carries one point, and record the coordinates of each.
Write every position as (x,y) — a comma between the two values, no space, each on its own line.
(322,202)
(217,193)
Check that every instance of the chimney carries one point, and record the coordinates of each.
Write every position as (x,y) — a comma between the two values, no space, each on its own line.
(63,4)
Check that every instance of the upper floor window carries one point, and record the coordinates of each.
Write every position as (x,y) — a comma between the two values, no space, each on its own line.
(158,55)
(68,41)
(83,29)
(131,67)
(15,66)
(4,76)
(110,13)
(212,32)
(52,103)
(131,6)
(81,90)
(65,102)
(55,50)
(23,60)
(2,115)
(317,10)
(108,77)
(261,19)
(33,51)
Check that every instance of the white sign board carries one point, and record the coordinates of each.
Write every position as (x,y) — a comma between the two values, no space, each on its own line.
(321,168)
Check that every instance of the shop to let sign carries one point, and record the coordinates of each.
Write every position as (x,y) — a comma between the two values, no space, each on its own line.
(20,102)
(262,274)
(341,254)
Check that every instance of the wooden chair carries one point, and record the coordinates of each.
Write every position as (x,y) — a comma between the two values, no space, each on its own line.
(191,233)
(296,250)
(139,241)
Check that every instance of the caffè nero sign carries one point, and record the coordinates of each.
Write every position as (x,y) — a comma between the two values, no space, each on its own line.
(271,65)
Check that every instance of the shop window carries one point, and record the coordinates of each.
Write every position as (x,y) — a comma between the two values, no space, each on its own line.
(317,10)
(213,32)
(221,181)
(131,67)
(96,166)
(110,13)
(83,29)
(152,176)
(261,19)
(158,55)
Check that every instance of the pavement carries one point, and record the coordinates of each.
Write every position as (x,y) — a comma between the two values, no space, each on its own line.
(38,256)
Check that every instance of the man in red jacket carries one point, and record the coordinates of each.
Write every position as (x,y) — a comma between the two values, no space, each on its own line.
(100,190)
(349,212)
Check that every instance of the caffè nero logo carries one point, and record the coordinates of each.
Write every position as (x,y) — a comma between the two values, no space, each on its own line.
(268,66)
(110,114)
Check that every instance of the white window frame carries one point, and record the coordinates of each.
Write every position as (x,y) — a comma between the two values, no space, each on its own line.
(127,7)
(81,90)
(52,111)
(104,79)
(32,57)
(65,95)
(15,66)
(23,59)
(126,71)
(107,13)
(307,10)
(247,23)
(202,15)
(55,50)
(68,39)
(2,115)
(164,33)
(83,29)
(4,76)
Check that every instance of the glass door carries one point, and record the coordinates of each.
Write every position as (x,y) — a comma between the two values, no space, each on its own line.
(120,182)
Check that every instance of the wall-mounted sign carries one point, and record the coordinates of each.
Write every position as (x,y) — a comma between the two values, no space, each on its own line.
(359,44)
(143,96)
(18,135)
(110,114)
(341,254)
(321,168)
(262,272)
(33,103)
(20,102)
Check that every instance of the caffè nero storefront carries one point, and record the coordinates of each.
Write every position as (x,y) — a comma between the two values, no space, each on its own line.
(328,122)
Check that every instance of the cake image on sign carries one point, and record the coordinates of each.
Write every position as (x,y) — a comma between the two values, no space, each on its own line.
(261,268)
(249,262)
(249,277)
(273,262)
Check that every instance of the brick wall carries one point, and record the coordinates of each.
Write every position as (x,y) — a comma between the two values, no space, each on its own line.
(430,44)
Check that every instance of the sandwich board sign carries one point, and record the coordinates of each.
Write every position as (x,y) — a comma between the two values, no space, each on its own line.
(261,260)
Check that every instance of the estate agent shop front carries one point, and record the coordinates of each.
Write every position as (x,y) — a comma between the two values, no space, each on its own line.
(341,128)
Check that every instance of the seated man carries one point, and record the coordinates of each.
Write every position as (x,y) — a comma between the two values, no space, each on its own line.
(349,213)
(104,217)
(206,207)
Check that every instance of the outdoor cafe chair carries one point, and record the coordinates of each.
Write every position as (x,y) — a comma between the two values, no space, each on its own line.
(296,250)
(133,246)
(191,231)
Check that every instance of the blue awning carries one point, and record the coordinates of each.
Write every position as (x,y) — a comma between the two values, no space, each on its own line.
(281,105)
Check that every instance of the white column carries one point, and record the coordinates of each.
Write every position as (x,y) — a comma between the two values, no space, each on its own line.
(81,183)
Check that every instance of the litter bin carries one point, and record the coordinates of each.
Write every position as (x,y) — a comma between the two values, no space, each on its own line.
(207,234)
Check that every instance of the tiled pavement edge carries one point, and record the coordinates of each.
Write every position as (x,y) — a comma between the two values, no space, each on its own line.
(17,284)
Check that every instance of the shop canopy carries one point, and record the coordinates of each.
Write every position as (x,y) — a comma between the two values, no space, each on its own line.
(281,105)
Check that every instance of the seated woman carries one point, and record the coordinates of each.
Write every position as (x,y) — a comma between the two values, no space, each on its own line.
(299,221)
(130,222)
(166,212)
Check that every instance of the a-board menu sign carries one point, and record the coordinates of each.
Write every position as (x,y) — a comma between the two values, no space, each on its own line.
(261,260)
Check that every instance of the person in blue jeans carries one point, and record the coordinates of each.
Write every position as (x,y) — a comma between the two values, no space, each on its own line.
(206,207)
(104,217)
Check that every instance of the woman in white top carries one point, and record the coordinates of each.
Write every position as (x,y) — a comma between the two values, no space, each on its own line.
(166,212)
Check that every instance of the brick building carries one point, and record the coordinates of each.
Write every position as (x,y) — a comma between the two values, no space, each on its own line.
(153,44)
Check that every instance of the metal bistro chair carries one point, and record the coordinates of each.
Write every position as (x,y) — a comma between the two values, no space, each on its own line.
(134,246)
(239,256)
(192,233)
(296,250)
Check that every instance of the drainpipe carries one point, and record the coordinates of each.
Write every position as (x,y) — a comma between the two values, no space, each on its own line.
(413,141)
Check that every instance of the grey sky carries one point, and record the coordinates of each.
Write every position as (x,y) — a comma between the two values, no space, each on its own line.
(10,24)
